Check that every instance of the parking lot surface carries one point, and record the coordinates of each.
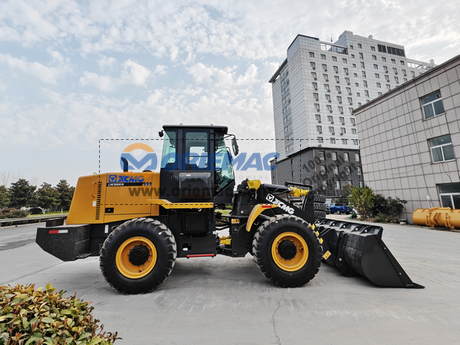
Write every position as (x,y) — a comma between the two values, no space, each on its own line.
(228,301)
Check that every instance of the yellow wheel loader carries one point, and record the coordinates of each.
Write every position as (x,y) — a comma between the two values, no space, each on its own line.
(139,223)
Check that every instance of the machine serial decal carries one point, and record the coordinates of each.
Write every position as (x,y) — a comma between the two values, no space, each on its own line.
(280,204)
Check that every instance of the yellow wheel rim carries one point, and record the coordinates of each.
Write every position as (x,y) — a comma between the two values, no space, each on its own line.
(301,256)
(124,258)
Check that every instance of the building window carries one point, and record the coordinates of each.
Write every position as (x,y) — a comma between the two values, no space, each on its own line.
(373,48)
(449,194)
(377,75)
(349,90)
(352,56)
(355,141)
(328,97)
(362,64)
(320,140)
(347,80)
(379,93)
(365,83)
(321,155)
(322,170)
(393,60)
(350,100)
(361,184)
(346,156)
(387,78)
(326,87)
(361,56)
(329,108)
(331,130)
(343,131)
(345,141)
(404,72)
(395,70)
(342,120)
(340,108)
(351,46)
(350,110)
(337,184)
(353,131)
(357,84)
(334,58)
(313,74)
(441,148)
(312,55)
(357,157)
(312,65)
(347,170)
(382,48)
(345,70)
(339,99)
(402,63)
(332,140)
(317,107)
(359,45)
(384,59)
(337,88)
(358,94)
(355,75)
(323,56)
(385,69)
(388,87)
(432,104)
(396,80)
(344,60)
(337,79)
(318,118)
(413,73)
(336,69)
(366,93)
(324,184)
(358,171)
(376,66)
(379,85)
(330,118)
(334,156)
(316,96)
(315,86)
(353,121)
(354,65)
(404,79)
(324,67)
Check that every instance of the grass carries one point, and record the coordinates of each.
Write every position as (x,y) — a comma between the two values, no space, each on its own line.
(48,214)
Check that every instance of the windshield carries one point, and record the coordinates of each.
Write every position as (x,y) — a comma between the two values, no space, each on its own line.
(224,171)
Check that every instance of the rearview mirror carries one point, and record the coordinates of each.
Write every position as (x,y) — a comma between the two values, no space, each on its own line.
(235,146)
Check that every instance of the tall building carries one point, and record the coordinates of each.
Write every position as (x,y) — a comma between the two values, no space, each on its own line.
(314,92)
(410,140)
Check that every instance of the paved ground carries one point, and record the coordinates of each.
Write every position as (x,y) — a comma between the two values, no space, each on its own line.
(228,301)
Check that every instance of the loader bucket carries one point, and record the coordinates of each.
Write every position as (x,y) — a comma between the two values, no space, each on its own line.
(358,249)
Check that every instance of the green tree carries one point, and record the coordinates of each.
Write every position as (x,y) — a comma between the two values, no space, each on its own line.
(4,197)
(363,200)
(65,194)
(22,194)
(346,190)
(47,196)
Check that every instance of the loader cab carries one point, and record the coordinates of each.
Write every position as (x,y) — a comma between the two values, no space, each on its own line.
(196,165)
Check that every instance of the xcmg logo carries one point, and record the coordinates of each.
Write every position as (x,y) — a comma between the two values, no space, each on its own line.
(125,179)
(149,161)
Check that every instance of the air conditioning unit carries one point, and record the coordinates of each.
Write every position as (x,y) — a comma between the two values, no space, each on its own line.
(316,99)
(332,122)
(396,72)
(354,124)
(320,132)
(316,88)
(340,103)
(348,83)
(341,112)
(340,92)
(315,78)
(330,111)
(341,133)
(328,90)
(319,121)
(329,101)
(313,68)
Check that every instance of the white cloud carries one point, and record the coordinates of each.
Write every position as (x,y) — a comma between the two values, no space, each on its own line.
(225,77)
(106,62)
(135,73)
(103,83)
(161,69)
(34,69)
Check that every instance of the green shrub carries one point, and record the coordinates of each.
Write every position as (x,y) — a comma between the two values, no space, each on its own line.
(13,213)
(29,316)
(389,208)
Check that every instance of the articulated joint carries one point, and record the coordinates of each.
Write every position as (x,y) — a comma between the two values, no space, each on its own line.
(298,192)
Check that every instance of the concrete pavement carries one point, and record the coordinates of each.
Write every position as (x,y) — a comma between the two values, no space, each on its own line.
(228,301)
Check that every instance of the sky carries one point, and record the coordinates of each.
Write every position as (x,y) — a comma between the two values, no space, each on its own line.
(74,74)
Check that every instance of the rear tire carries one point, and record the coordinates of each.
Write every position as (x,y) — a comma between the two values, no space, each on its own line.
(138,256)
(287,251)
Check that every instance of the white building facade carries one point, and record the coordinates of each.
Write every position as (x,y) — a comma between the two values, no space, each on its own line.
(314,93)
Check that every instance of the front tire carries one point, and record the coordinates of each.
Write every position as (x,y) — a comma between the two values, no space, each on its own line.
(287,251)
(138,256)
